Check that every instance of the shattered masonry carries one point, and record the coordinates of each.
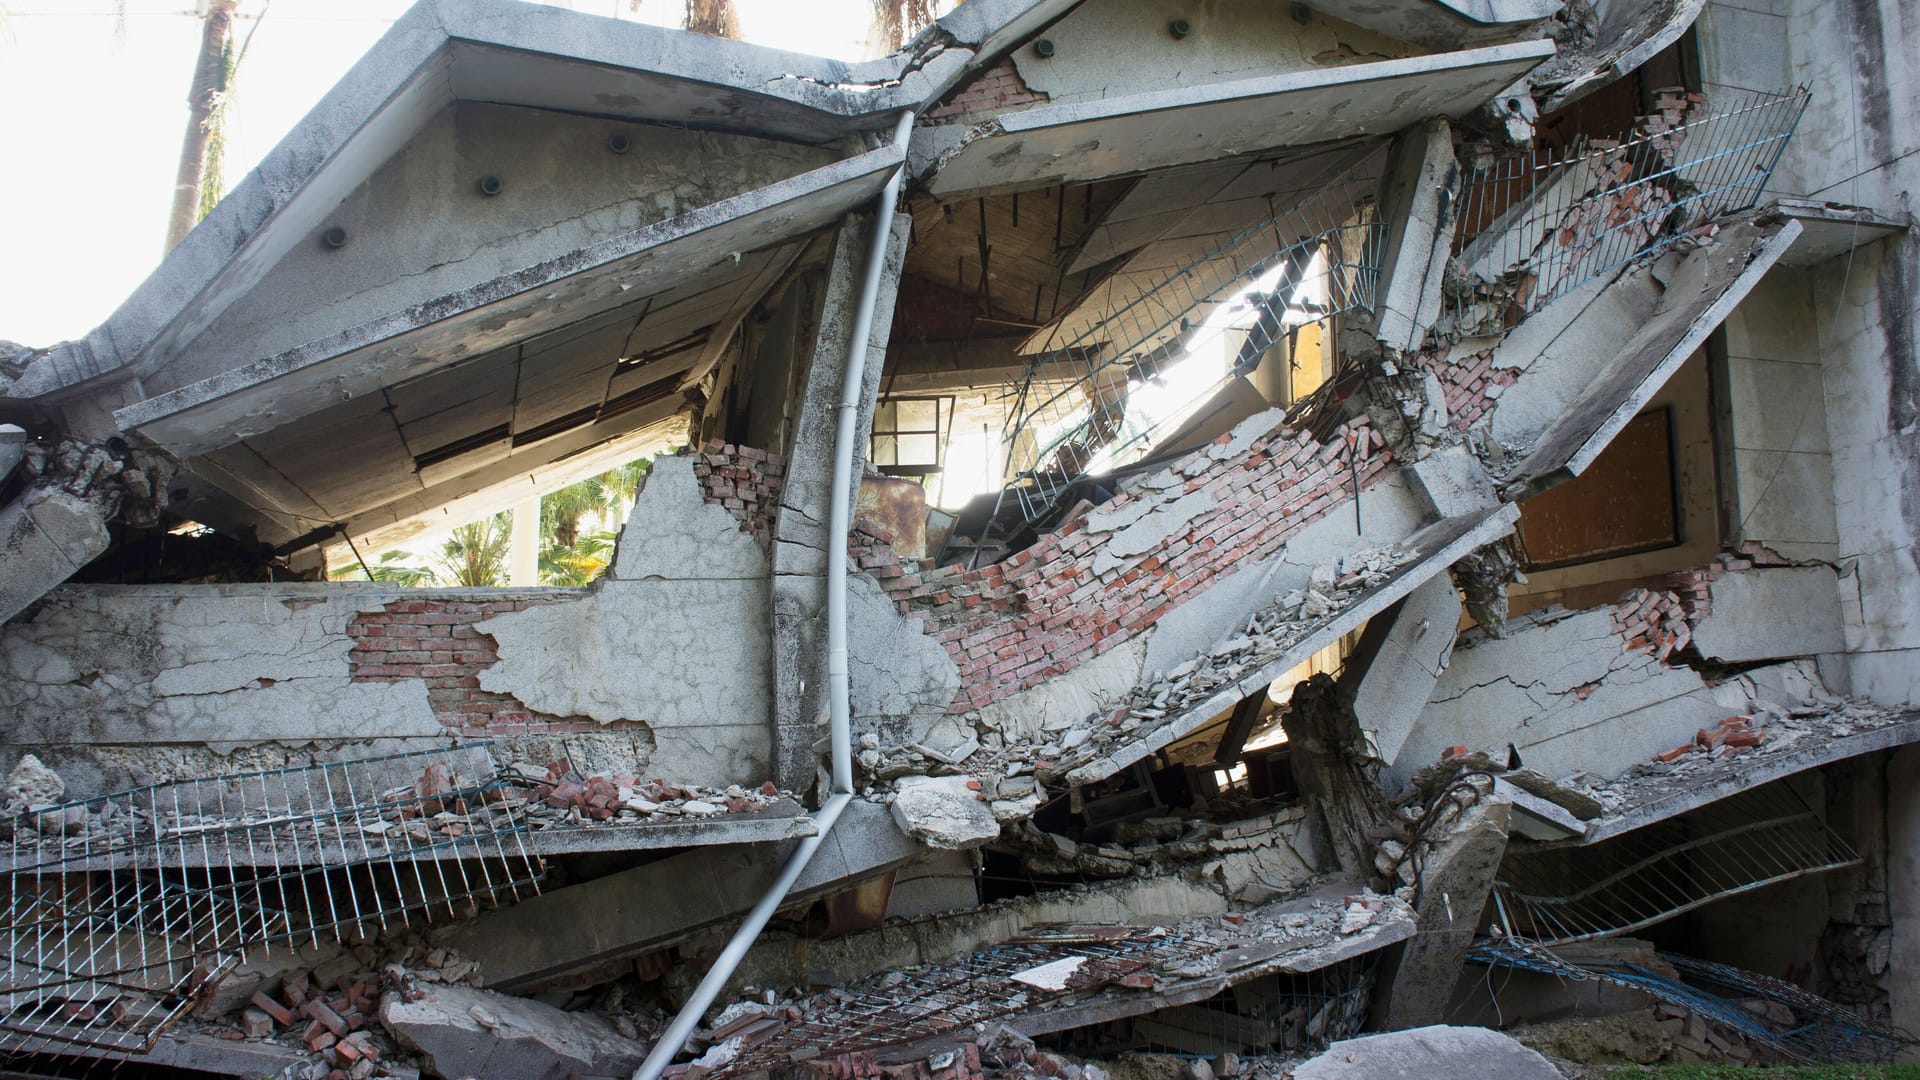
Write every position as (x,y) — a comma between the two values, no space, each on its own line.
(1442,561)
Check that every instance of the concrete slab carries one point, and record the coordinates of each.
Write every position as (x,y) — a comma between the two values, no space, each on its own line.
(1668,793)
(1772,614)
(262,395)
(542,940)
(1703,289)
(1828,230)
(1438,546)
(1125,134)
(1446,23)
(1399,663)
(45,536)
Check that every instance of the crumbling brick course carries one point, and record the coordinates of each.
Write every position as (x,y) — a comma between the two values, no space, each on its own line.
(996,89)
(438,641)
(744,480)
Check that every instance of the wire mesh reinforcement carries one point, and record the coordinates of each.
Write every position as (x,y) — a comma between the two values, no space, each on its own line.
(1789,1021)
(1547,221)
(1736,844)
(1097,400)
(123,911)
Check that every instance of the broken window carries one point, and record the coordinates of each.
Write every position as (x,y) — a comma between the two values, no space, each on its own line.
(910,435)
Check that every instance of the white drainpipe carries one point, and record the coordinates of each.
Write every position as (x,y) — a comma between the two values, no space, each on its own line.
(840,526)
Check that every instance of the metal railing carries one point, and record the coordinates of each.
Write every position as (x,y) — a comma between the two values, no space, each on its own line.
(1743,842)
(1157,343)
(1544,222)
(122,912)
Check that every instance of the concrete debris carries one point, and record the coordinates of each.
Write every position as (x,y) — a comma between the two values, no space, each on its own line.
(1422,1053)
(559,796)
(944,812)
(31,783)
(460,1032)
(1738,744)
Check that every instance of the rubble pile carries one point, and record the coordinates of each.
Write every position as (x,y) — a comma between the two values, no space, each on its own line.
(1011,770)
(562,796)
(1769,730)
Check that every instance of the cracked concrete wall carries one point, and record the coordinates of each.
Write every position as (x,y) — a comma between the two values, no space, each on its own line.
(228,665)
(798,630)
(673,638)
(1566,693)
(1124,46)
(420,227)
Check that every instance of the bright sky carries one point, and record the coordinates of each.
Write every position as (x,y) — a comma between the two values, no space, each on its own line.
(95,106)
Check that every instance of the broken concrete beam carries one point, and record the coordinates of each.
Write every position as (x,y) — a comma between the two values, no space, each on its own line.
(463,1032)
(1417,199)
(1455,881)
(45,536)
(1537,819)
(1428,1052)
(1393,672)
(566,932)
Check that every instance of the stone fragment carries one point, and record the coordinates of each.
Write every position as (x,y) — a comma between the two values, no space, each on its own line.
(943,812)
(526,1039)
(31,782)
(1426,1052)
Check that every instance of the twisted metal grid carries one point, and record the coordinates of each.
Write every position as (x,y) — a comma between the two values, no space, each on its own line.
(114,932)
(1553,220)
(1746,841)
(1820,1031)
(1071,414)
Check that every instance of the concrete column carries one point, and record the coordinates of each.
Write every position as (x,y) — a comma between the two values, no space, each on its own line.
(523,551)
(1903,887)
(1416,202)
(800,523)
(1456,879)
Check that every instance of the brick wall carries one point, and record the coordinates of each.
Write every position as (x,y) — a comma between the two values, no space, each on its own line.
(1471,383)
(1046,610)
(1662,621)
(744,480)
(996,89)
(434,639)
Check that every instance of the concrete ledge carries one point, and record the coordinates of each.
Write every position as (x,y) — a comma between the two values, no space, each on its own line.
(1669,797)
(205,415)
(1648,358)
(1096,139)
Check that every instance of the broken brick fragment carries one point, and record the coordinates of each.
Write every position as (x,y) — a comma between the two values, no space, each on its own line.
(1675,754)
(280,1013)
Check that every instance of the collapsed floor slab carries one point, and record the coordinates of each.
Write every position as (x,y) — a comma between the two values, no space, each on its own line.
(587,927)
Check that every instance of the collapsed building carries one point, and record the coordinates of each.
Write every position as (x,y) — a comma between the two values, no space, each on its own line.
(1450,513)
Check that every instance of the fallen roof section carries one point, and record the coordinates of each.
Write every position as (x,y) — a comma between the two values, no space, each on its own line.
(1060,977)
(240,403)
(1092,140)
(1428,552)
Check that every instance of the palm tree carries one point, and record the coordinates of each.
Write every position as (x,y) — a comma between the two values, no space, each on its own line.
(620,485)
(475,555)
(578,564)
(894,21)
(714,17)
(561,511)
